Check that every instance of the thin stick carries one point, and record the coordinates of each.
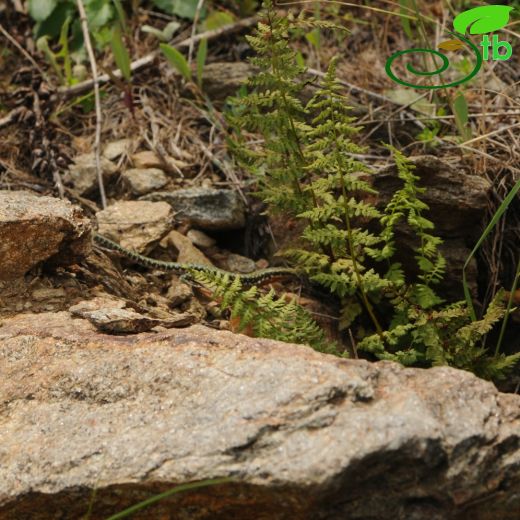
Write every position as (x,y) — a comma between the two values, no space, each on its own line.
(147,60)
(95,79)
(194,30)
(25,53)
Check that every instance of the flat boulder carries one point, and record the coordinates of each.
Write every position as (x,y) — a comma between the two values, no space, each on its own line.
(89,419)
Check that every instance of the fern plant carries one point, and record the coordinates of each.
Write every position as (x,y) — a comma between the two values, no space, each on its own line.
(306,168)
(264,313)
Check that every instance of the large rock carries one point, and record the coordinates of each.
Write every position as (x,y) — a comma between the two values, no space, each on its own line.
(304,435)
(206,208)
(35,228)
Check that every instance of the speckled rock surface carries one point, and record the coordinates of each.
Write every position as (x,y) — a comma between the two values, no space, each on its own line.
(34,229)
(205,208)
(135,224)
(304,435)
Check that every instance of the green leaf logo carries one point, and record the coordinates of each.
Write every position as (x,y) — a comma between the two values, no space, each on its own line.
(481,20)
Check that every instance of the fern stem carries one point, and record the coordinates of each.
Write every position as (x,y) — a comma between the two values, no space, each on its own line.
(350,238)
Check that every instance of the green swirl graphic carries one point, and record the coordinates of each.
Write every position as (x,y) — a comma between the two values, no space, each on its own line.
(442,68)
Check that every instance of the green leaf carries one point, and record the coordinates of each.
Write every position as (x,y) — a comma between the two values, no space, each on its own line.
(120,14)
(406,8)
(120,53)
(460,109)
(481,20)
(218,19)
(314,38)
(300,60)
(164,35)
(40,10)
(99,13)
(181,8)
(202,52)
(177,60)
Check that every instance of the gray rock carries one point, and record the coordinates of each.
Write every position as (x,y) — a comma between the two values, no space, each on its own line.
(206,208)
(304,435)
(34,229)
(135,224)
(144,180)
(240,264)
(82,173)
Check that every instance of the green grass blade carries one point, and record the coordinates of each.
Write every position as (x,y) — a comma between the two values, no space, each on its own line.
(178,489)
(496,217)
(177,60)
(202,52)
(121,54)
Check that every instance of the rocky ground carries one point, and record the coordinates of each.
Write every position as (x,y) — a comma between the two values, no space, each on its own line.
(118,382)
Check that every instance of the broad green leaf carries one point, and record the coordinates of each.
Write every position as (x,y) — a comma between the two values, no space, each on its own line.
(177,60)
(218,19)
(120,53)
(181,8)
(52,25)
(99,13)
(484,19)
(202,52)
(41,9)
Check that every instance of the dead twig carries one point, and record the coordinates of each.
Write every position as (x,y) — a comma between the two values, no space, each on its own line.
(194,30)
(97,100)
(25,53)
(147,60)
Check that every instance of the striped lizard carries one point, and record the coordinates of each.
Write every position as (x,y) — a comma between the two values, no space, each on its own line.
(259,277)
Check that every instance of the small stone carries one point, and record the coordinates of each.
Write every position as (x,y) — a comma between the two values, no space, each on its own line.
(135,224)
(82,173)
(200,239)
(188,253)
(115,149)
(205,208)
(178,293)
(240,264)
(149,159)
(144,180)
(262,263)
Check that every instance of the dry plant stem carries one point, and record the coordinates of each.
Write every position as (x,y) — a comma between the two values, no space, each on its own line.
(25,53)
(147,60)
(194,30)
(95,79)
